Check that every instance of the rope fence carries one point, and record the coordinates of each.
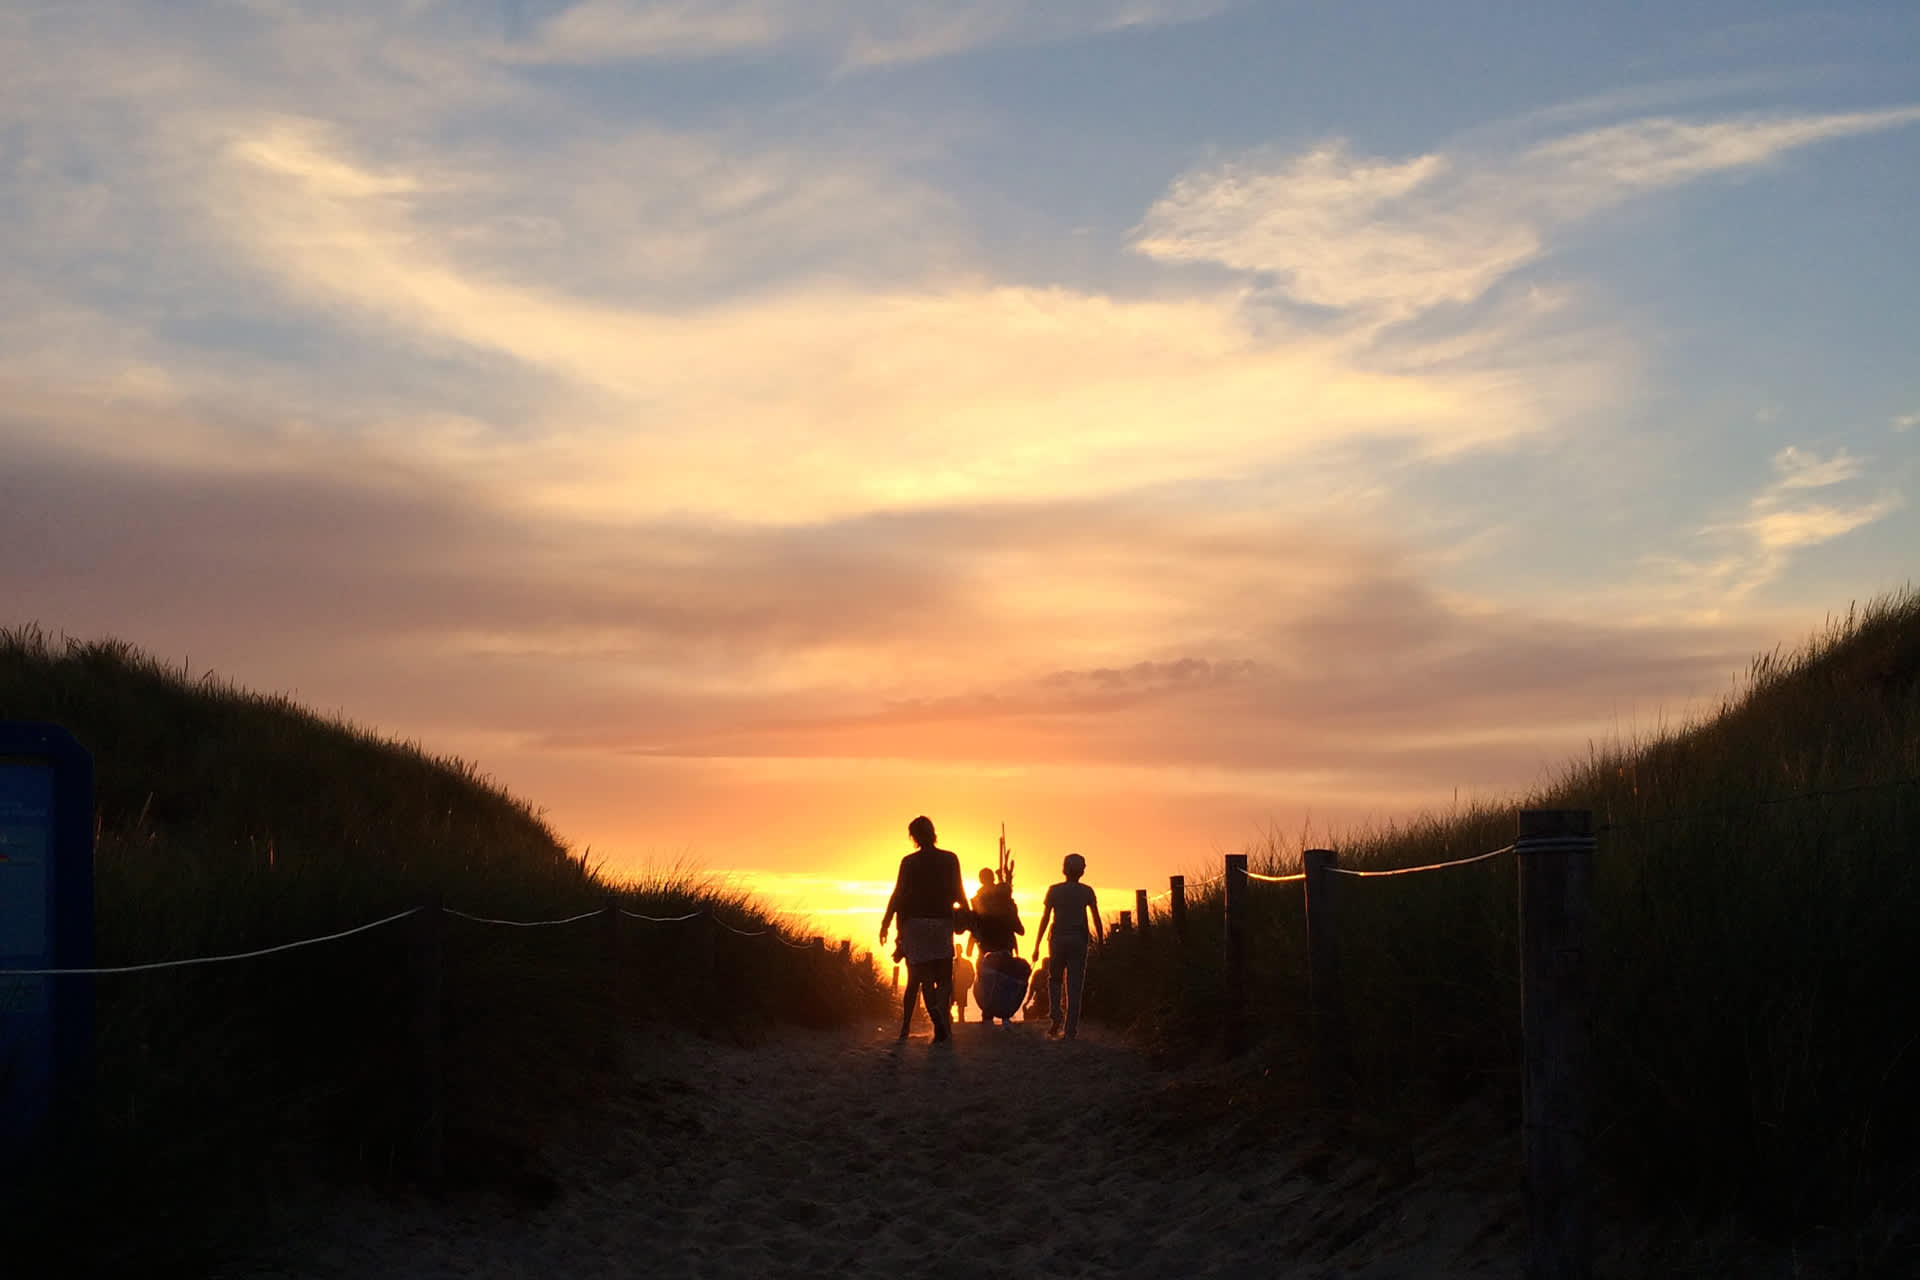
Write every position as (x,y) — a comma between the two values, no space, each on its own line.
(1554,851)
(182,964)
(1554,854)
(427,968)
(635,915)
(1603,828)
(1168,894)
(257,953)
(525,924)
(1431,866)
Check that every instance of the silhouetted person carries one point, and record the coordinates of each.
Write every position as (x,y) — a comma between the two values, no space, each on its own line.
(1037,997)
(926,894)
(1070,905)
(981,900)
(962,983)
(996,917)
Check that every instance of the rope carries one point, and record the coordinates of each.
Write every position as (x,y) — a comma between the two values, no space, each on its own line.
(181,964)
(1442,866)
(1555,844)
(524,924)
(375,924)
(1266,879)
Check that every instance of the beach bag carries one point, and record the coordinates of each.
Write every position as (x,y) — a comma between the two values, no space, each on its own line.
(1000,984)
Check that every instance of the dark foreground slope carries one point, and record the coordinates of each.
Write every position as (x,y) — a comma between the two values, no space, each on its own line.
(1755,959)
(230,821)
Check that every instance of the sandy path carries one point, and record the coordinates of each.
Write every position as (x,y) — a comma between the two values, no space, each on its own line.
(837,1154)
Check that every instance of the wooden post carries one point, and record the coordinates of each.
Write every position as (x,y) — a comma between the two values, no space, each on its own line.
(710,942)
(429,1030)
(1555,854)
(1177,905)
(1323,976)
(1126,921)
(1236,933)
(1140,911)
(610,962)
(846,951)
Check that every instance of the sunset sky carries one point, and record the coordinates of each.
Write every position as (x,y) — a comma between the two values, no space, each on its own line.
(742,426)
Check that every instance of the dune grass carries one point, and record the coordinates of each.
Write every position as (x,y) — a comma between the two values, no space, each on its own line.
(228,821)
(1755,950)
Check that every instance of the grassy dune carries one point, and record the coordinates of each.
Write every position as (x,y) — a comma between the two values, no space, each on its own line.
(230,821)
(1756,951)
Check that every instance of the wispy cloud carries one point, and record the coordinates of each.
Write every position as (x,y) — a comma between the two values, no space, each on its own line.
(861,33)
(610,30)
(1395,238)
(1785,517)
(1059,391)
(1796,468)
(1809,525)
(1781,519)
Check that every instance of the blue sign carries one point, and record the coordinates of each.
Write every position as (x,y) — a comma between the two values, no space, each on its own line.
(46,922)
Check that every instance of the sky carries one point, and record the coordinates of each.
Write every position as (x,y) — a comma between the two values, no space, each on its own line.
(1156,425)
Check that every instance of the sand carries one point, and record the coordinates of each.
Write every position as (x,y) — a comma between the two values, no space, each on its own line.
(1003,1153)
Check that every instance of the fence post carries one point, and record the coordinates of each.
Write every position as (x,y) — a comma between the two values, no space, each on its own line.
(1140,911)
(710,943)
(1126,921)
(1236,931)
(428,1041)
(610,961)
(846,951)
(1323,976)
(1177,905)
(1555,855)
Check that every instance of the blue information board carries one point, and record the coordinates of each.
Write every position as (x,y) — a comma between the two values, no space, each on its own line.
(46,922)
